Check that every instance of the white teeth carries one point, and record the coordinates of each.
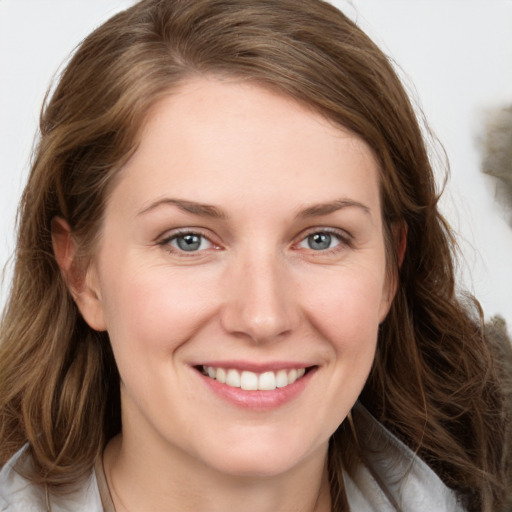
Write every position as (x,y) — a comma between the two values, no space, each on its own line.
(233,379)
(267,381)
(221,375)
(281,379)
(250,381)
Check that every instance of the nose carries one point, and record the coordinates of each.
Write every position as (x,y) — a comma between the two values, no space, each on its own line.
(261,304)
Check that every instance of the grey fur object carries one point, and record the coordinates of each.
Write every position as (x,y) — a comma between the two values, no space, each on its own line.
(497,153)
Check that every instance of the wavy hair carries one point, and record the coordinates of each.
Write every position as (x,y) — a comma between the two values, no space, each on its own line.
(434,383)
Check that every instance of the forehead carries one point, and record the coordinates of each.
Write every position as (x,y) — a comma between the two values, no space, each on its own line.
(214,139)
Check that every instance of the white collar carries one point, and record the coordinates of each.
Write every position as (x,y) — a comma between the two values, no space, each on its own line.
(393,478)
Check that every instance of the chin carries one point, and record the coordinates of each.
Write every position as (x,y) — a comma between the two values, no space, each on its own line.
(257,467)
(264,459)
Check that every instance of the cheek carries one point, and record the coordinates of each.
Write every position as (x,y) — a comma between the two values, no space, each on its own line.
(347,308)
(154,308)
(149,317)
(345,311)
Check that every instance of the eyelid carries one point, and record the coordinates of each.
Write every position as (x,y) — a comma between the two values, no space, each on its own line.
(168,236)
(345,238)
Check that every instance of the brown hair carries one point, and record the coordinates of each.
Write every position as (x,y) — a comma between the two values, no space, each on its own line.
(434,382)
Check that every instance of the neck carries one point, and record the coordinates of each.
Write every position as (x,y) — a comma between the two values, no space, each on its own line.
(142,481)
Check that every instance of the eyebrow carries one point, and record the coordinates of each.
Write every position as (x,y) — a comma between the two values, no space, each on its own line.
(318,210)
(208,210)
(201,209)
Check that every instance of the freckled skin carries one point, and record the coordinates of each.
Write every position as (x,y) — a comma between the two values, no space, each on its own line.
(254,289)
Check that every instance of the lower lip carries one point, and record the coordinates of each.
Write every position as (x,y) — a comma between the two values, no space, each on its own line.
(258,400)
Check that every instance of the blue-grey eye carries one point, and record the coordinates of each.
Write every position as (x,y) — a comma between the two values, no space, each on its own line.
(190,242)
(320,241)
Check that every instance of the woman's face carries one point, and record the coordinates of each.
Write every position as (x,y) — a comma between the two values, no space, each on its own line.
(242,245)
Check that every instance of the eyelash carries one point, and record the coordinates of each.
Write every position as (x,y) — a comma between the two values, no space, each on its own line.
(344,239)
(166,243)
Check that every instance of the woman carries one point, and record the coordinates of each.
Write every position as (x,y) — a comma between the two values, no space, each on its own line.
(233,287)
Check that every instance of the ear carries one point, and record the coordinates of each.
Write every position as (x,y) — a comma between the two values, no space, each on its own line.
(82,282)
(400,238)
(399,232)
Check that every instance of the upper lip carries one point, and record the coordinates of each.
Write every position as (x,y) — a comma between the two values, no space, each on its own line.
(256,367)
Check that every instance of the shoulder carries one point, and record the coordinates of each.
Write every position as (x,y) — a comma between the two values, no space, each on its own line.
(17,494)
(392,477)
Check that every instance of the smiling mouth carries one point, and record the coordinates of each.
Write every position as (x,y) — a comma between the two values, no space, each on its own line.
(251,381)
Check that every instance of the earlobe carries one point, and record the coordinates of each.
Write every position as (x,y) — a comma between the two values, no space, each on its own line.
(89,301)
(81,282)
